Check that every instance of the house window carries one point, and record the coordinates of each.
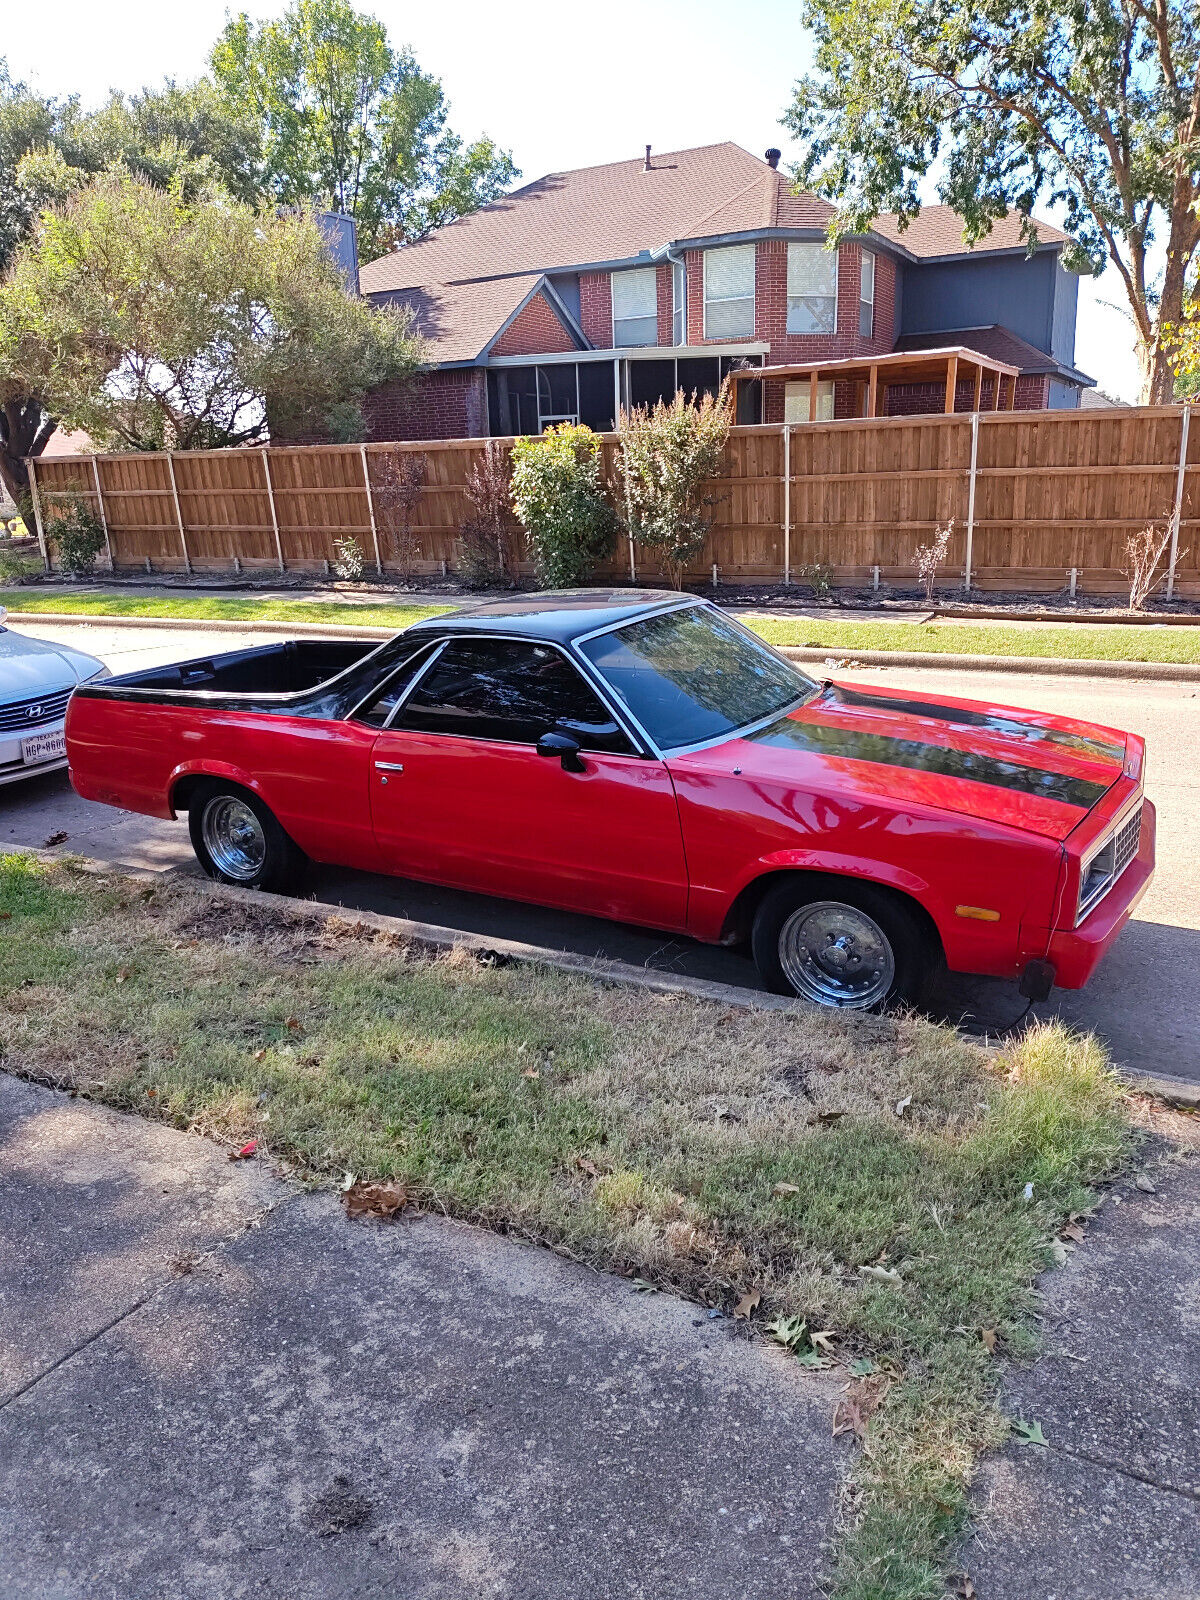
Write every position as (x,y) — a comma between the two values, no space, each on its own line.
(678,303)
(796,398)
(811,289)
(866,295)
(729,292)
(635,307)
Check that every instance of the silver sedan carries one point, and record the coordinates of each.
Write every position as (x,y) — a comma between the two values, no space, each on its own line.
(36,680)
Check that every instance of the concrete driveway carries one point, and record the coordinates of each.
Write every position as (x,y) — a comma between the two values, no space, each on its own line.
(1142,1001)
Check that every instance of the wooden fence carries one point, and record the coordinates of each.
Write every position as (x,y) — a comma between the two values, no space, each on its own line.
(1040,501)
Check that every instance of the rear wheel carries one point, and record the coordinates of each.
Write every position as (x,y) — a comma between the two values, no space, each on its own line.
(842,944)
(238,840)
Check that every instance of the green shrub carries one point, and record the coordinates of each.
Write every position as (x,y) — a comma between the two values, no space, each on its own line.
(78,535)
(348,558)
(558,495)
(17,565)
(669,456)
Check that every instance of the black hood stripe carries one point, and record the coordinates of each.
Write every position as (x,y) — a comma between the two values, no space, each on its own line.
(819,738)
(1082,744)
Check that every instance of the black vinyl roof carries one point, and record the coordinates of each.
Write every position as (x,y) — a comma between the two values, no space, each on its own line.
(559,615)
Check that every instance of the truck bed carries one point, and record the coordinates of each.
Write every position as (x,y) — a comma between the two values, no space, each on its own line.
(291,667)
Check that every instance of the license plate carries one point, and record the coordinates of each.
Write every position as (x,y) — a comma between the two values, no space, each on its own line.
(44,747)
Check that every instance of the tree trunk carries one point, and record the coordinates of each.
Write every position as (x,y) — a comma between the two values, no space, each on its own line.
(1155,358)
(25,430)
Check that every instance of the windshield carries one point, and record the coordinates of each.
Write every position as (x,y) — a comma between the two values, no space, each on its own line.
(691,675)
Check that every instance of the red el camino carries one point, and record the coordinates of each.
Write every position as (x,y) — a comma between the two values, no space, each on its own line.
(641,756)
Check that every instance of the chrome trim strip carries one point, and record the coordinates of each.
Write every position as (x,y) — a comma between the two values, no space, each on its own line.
(1083,908)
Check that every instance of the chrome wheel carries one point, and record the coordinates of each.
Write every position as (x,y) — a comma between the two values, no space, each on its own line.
(836,955)
(234,838)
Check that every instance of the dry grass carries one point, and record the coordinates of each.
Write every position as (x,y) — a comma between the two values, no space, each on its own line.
(673,1139)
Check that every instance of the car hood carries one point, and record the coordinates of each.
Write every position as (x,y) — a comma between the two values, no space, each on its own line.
(35,666)
(1025,769)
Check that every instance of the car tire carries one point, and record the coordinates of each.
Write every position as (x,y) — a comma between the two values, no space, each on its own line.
(842,944)
(238,840)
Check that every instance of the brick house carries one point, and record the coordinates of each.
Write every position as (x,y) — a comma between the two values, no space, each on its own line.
(611,286)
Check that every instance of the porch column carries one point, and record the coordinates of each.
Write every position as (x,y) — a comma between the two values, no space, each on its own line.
(616,392)
(951,384)
(872,390)
(812,397)
(978,385)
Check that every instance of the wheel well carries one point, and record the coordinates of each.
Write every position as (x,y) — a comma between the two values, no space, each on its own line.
(740,917)
(185,788)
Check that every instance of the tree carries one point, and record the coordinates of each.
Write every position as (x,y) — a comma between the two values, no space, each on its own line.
(193,136)
(353,124)
(1092,105)
(670,454)
(156,321)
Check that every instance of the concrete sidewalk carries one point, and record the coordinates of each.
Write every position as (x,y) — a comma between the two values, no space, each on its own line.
(213,1386)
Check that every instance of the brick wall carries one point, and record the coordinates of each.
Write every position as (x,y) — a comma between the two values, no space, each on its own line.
(595,308)
(536,330)
(914,399)
(663,286)
(449,404)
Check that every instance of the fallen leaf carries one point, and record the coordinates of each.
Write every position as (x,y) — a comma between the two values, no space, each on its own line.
(989,1340)
(245,1152)
(531,1072)
(824,1339)
(826,1117)
(1029,1432)
(747,1303)
(903,1105)
(863,1367)
(961,1585)
(785,1188)
(1145,1184)
(123,974)
(293,1023)
(644,1286)
(259,1054)
(858,1406)
(590,1167)
(5,916)
(1072,1230)
(378,1201)
(54,838)
(882,1274)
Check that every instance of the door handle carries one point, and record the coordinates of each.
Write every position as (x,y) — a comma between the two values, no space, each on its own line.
(389,766)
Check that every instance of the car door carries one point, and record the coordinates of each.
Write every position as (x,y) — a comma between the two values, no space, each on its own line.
(460,795)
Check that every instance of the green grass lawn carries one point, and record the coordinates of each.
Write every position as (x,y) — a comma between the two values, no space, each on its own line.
(681,1142)
(1074,641)
(1150,642)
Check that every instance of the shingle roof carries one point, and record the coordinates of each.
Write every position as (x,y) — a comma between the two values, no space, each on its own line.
(996,341)
(618,211)
(938,231)
(459,320)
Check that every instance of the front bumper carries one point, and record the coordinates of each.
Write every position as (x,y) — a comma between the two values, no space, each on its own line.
(12,765)
(1075,953)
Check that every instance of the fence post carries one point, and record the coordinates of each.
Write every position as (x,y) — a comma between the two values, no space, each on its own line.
(971,501)
(274,517)
(362,450)
(103,513)
(787,503)
(37,515)
(1179,477)
(187,560)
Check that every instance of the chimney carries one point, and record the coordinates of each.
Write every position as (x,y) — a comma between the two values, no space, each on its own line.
(647,167)
(773,156)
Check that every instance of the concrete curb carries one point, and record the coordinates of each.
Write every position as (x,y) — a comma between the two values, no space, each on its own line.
(1047,666)
(1174,1091)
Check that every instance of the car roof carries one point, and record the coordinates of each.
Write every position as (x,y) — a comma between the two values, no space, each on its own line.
(559,615)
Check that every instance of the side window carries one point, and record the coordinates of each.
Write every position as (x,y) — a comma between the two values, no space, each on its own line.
(377,710)
(501,689)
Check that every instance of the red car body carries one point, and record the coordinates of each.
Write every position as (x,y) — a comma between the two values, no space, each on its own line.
(983,816)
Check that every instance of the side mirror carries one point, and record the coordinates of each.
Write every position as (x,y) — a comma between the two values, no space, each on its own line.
(564,747)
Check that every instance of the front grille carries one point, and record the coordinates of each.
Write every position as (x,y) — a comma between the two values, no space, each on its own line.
(24,716)
(1105,865)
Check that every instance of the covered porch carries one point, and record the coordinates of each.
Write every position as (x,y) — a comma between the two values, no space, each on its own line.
(860,386)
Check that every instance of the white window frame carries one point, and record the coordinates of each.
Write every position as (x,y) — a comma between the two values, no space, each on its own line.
(867,301)
(730,300)
(797,396)
(647,274)
(795,246)
(679,328)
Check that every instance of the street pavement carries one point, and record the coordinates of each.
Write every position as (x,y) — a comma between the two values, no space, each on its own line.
(1142,1001)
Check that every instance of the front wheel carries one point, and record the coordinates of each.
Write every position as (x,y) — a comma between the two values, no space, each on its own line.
(237,840)
(842,944)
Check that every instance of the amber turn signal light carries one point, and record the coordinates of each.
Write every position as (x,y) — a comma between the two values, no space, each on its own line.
(977,913)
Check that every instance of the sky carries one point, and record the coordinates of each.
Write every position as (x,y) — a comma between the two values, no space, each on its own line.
(560,87)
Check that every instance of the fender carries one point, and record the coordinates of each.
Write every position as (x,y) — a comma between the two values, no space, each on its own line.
(208,768)
(712,911)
